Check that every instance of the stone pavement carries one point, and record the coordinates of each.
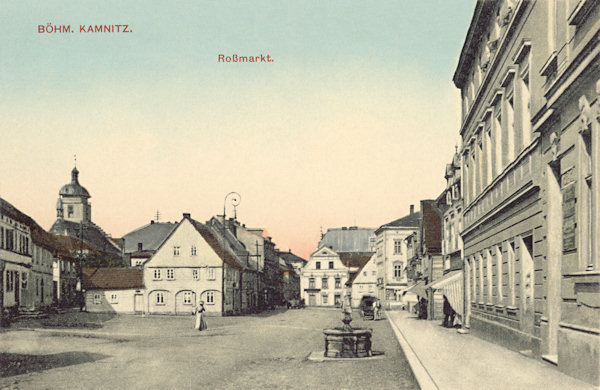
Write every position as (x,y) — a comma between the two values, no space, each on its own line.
(259,351)
(443,359)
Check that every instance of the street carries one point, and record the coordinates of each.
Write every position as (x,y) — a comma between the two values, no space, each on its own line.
(266,351)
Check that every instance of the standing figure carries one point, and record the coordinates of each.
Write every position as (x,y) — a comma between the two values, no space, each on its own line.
(449,314)
(423,308)
(376,310)
(199,312)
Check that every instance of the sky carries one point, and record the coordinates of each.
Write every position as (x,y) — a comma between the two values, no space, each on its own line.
(352,122)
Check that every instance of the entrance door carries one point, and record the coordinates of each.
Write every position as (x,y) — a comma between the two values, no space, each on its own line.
(138,303)
(527,281)
(554,259)
(17,289)
(312,300)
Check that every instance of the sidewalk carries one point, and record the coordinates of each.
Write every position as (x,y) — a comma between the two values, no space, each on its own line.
(443,359)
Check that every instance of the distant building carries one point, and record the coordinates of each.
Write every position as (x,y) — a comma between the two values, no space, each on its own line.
(391,257)
(113,290)
(296,261)
(425,261)
(140,244)
(451,284)
(74,218)
(29,258)
(364,281)
(347,239)
(15,256)
(291,266)
(195,264)
(324,277)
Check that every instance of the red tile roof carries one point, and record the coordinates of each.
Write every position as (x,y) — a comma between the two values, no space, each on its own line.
(112,278)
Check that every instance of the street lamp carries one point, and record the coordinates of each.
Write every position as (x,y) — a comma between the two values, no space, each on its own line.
(235,200)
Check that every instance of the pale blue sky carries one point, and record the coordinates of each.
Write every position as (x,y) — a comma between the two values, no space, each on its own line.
(353,122)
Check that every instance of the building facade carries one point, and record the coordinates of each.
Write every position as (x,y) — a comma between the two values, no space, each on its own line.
(323,279)
(74,218)
(364,281)
(528,73)
(113,290)
(326,278)
(140,244)
(391,257)
(191,265)
(15,256)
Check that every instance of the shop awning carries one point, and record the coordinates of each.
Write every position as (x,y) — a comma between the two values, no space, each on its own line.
(418,289)
(451,285)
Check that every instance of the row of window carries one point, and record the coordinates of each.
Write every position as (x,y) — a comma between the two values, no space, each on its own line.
(318,265)
(169,273)
(187,299)
(11,240)
(177,250)
(494,272)
(486,52)
(325,283)
(452,228)
(497,141)
(312,299)
(209,298)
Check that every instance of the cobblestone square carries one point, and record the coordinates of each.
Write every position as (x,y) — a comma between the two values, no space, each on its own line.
(263,351)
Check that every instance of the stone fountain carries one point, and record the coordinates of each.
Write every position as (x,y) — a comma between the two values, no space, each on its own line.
(345,341)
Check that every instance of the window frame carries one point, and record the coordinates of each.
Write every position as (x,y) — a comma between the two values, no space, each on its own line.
(210,297)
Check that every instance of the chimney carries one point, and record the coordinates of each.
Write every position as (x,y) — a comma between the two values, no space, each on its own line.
(140,245)
(186,215)
(412,209)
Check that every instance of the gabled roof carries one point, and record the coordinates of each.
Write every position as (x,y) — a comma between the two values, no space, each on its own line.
(92,234)
(150,235)
(355,259)
(112,278)
(291,257)
(347,239)
(409,221)
(211,239)
(71,245)
(324,251)
(39,236)
(11,211)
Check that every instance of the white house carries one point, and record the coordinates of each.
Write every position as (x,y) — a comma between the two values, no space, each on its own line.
(192,265)
(364,281)
(324,277)
(15,255)
(391,257)
(118,290)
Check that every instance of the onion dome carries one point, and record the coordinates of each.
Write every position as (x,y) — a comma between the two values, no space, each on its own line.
(74,188)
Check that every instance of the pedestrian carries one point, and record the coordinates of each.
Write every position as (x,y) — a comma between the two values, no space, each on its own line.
(423,309)
(199,312)
(449,314)
(376,310)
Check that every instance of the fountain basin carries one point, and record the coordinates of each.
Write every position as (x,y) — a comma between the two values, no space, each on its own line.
(347,343)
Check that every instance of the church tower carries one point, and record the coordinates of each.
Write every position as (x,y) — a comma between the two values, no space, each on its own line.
(72,204)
